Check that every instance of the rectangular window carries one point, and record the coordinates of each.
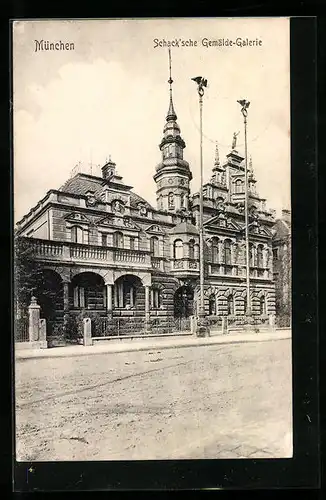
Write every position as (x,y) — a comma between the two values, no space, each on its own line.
(132,243)
(104,240)
(155,299)
(79,297)
(77,234)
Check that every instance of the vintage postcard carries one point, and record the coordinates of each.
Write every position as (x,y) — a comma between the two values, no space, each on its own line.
(152,209)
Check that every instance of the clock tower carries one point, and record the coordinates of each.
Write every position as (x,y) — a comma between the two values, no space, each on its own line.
(172,175)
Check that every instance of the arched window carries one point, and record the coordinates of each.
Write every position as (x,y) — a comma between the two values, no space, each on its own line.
(196,251)
(191,245)
(171,200)
(238,186)
(215,250)
(212,305)
(230,304)
(182,200)
(155,298)
(118,239)
(154,243)
(245,304)
(77,234)
(178,249)
(260,262)
(262,305)
(227,252)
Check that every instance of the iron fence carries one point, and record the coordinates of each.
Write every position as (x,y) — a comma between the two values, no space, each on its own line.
(21,330)
(119,327)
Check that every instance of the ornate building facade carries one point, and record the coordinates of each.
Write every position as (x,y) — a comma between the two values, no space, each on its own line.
(281,244)
(105,249)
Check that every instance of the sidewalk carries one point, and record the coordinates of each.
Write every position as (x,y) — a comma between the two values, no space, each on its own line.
(115,346)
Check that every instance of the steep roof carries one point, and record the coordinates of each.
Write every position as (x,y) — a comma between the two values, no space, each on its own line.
(282,229)
(81,183)
(184,228)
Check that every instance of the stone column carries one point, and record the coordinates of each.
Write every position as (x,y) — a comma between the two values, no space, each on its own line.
(34,320)
(109,300)
(65,307)
(147,307)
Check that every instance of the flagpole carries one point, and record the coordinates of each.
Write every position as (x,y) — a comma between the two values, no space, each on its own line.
(202,327)
(244,110)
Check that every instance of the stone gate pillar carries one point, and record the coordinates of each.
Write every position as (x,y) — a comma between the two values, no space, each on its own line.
(34,320)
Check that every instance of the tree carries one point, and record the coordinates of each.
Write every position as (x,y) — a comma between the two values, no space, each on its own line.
(28,274)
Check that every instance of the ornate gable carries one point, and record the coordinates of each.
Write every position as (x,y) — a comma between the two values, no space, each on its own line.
(154,229)
(114,221)
(77,217)
(221,221)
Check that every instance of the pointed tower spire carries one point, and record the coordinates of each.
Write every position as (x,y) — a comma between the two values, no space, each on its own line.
(173,174)
(171,113)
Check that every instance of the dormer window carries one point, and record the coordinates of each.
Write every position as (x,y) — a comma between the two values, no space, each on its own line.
(142,209)
(117,206)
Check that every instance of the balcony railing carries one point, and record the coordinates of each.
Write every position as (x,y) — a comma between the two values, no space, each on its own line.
(185,264)
(67,251)
(237,270)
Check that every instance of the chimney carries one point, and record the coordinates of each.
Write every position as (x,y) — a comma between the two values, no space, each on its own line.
(108,170)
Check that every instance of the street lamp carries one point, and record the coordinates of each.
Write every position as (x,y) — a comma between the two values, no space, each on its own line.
(244,110)
(202,328)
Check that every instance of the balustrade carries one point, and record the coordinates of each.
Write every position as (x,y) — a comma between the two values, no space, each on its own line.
(67,251)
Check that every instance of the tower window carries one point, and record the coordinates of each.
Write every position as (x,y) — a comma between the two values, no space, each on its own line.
(238,186)
(191,245)
(182,200)
(171,200)
(178,249)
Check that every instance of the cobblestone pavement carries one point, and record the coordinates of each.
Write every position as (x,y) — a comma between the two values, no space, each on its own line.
(216,401)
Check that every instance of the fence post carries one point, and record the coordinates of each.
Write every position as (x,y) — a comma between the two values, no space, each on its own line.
(87,331)
(42,334)
(34,319)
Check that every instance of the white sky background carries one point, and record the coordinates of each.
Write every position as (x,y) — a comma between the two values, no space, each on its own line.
(110,96)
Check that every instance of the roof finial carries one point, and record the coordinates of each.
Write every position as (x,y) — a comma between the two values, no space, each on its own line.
(171,113)
(170,81)
(234,140)
(217,155)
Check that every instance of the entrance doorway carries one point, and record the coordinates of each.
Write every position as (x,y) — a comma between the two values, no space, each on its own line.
(184,302)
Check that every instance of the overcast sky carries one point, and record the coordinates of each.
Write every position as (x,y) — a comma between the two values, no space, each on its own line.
(110,96)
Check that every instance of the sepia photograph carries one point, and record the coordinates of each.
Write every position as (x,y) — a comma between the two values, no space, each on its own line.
(152,239)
